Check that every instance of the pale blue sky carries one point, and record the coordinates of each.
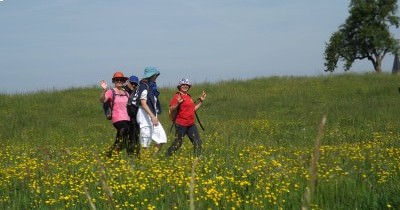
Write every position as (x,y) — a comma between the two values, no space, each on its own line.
(46,44)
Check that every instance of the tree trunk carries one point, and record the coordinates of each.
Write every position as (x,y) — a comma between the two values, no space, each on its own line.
(377,65)
(396,64)
(378,69)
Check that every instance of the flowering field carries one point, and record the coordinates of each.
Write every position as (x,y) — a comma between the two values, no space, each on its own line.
(272,157)
(258,177)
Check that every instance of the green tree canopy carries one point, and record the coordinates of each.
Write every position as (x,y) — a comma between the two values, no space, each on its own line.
(365,34)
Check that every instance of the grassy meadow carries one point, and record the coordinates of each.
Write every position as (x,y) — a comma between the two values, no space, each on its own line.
(265,147)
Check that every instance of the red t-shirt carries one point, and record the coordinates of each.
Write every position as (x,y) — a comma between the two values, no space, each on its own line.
(185,116)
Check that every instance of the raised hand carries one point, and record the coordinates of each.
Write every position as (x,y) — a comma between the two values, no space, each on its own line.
(203,96)
(103,84)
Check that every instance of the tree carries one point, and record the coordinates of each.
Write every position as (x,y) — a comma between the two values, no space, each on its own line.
(365,34)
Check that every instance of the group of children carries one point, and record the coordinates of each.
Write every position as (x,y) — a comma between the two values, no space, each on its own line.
(138,128)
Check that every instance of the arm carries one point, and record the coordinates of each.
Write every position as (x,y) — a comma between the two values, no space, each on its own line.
(103,98)
(174,107)
(143,103)
(201,99)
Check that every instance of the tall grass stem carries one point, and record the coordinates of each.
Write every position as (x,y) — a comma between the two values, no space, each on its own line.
(313,170)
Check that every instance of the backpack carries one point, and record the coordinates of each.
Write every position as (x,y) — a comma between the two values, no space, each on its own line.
(172,114)
(134,102)
(108,106)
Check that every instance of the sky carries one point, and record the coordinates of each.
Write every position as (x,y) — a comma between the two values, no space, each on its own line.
(58,44)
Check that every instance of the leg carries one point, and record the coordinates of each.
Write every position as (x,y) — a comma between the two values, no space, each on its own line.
(177,143)
(157,147)
(145,136)
(134,144)
(194,137)
(123,134)
(120,137)
(113,146)
(129,146)
(124,142)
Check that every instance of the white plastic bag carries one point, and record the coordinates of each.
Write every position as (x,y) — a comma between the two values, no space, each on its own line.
(158,134)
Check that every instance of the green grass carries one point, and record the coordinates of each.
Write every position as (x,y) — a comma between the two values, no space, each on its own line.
(259,138)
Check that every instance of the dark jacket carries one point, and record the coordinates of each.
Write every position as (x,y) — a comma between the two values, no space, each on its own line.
(156,93)
(150,95)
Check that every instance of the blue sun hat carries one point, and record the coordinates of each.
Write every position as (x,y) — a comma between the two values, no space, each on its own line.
(150,71)
(134,79)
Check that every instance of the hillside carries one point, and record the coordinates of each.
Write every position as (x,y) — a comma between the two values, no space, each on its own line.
(294,105)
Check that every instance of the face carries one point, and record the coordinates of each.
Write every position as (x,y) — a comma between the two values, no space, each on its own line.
(184,87)
(132,85)
(154,77)
(119,82)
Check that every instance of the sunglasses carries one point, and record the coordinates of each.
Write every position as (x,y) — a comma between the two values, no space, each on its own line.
(133,83)
(119,80)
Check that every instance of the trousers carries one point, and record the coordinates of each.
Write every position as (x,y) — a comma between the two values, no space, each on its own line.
(194,137)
